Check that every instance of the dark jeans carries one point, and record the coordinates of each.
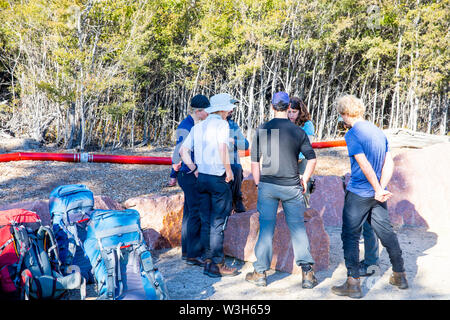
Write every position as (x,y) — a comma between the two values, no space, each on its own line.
(215,207)
(191,245)
(356,211)
(371,254)
(236,183)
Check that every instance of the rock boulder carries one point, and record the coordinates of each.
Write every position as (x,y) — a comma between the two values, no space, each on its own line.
(241,236)
(38,206)
(161,217)
(41,206)
(421,187)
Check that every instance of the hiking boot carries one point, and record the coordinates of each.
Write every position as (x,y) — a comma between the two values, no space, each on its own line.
(309,280)
(197,261)
(239,207)
(207,266)
(399,279)
(172,182)
(216,270)
(351,288)
(257,278)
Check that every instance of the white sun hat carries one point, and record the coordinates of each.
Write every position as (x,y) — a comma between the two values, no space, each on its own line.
(221,102)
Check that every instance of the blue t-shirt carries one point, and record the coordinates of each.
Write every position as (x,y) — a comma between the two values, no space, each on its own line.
(182,132)
(308,127)
(365,137)
(240,142)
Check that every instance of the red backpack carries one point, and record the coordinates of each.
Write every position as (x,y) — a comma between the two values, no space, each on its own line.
(29,261)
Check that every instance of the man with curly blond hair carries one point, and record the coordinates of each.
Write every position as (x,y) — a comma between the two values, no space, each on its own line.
(366,195)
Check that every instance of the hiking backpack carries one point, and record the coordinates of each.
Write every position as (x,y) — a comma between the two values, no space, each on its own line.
(70,207)
(122,264)
(29,261)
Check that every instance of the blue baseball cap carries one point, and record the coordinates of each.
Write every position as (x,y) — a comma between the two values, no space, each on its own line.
(281,96)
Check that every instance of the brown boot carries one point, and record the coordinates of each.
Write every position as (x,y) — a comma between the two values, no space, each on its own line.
(399,279)
(257,278)
(309,280)
(350,288)
(219,270)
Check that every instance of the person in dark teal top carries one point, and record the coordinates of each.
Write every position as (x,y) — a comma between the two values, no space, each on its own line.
(238,142)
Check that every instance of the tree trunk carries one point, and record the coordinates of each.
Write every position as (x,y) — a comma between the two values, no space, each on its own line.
(396,96)
(376,93)
(323,117)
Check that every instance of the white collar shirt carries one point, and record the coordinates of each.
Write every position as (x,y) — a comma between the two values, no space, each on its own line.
(205,138)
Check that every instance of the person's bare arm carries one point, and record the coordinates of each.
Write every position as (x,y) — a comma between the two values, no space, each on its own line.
(380,194)
(387,171)
(225,157)
(255,172)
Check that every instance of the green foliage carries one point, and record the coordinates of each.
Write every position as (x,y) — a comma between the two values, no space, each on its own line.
(116,56)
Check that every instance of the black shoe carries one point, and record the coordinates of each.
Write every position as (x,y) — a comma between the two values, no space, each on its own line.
(207,266)
(216,270)
(197,261)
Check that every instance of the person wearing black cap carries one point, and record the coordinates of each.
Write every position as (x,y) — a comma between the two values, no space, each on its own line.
(277,144)
(210,142)
(191,247)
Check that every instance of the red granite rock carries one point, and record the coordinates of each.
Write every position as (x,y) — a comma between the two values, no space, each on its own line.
(319,240)
(328,199)
(161,217)
(421,187)
(249,193)
(241,236)
(41,206)
(38,206)
(106,203)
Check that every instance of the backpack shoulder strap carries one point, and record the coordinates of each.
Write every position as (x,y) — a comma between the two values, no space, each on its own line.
(149,269)
(111,261)
(50,248)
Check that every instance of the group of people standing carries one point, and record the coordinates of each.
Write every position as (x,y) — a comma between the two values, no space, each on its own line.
(206,165)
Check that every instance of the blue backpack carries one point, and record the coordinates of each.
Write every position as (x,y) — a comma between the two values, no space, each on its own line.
(70,207)
(122,264)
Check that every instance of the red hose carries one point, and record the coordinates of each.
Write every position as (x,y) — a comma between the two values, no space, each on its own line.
(328,144)
(103,158)
(83,157)
(131,159)
(315,145)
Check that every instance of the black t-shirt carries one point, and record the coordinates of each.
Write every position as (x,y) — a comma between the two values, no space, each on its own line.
(279,142)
